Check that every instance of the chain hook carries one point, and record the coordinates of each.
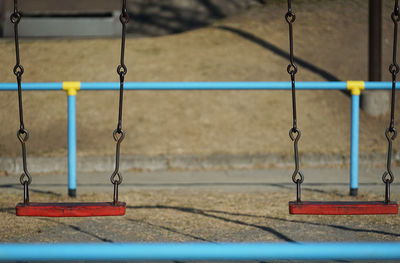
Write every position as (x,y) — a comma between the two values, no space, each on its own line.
(124,17)
(118,137)
(295,134)
(15,17)
(296,179)
(394,69)
(292,70)
(290,17)
(118,134)
(18,70)
(118,180)
(23,135)
(388,179)
(122,70)
(391,134)
(25,178)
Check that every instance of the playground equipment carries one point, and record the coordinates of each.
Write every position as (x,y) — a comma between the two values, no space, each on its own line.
(197,251)
(27,208)
(72,87)
(342,208)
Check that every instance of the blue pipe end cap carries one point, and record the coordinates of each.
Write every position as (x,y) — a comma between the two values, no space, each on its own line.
(72,192)
(353,191)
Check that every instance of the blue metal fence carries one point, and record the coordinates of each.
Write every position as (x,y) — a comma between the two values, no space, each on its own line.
(200,251)
(355,87)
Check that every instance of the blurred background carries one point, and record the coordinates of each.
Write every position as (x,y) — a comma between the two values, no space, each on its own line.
(152,18)
(196,40)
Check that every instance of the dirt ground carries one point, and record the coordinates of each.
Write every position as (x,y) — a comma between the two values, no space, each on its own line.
(330,43)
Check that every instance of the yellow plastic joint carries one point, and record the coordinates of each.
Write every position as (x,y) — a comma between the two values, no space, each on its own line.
(355,87)
(71,87)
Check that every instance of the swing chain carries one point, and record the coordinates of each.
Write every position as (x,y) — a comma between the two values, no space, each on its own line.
(391,132)
(290,19)
(22,134)
(294,132)
(119,134)
(124,19)
(122,69)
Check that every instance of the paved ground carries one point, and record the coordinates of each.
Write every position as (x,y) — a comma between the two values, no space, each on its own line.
(242,181)
(199,206)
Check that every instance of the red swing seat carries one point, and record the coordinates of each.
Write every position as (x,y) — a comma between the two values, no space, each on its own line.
(71,209)
(342,208)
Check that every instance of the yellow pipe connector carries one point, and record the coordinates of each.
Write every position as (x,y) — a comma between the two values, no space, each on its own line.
(71,87)
(355,87)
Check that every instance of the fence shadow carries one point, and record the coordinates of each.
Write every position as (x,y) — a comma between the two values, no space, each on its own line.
(225,219)
(169,229)
(280,52)
(211,214)
(78,229)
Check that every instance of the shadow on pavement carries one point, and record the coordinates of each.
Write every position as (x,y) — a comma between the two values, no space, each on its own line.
(169,229)
(78,229)
(264,228)
(225,219)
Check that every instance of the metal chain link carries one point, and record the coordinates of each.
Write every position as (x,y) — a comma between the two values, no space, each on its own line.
(22,134)
(119,134)
(391,132)
(294,132)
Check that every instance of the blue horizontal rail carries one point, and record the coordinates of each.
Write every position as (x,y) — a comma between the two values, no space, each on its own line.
(379,85)
(306,85)
(215,85)
(32,86)
(200,251)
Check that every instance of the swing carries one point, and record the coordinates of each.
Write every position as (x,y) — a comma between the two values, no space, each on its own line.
(114,208)
(334,207)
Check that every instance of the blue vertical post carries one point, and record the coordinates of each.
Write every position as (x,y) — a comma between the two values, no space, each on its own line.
(355,118)
(355,87)
(72,145)
(71,88)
